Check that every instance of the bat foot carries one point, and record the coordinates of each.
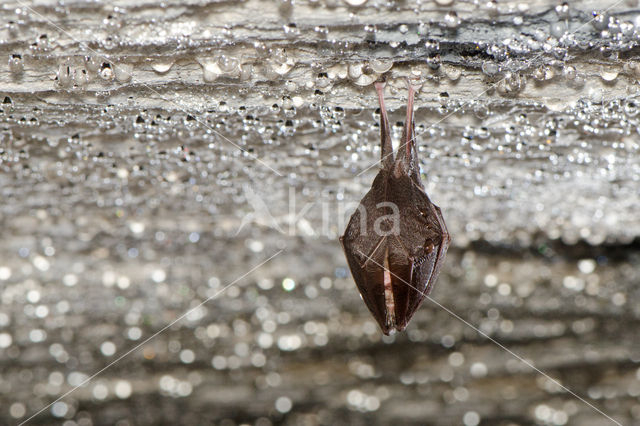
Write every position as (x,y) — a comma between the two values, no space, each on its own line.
(413,84)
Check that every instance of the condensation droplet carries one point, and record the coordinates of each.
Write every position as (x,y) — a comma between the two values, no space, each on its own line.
(562,10)
(92,63)
(451,20)
(123,72)
(65,75)
(558,29)
(108,348)
(210,71)
(569,72)
(380,66)
(106,72)
(471,418)
(161,67)
(283,404)
(490,68)
(5,340)
(16,65)
(607,75)
(123,389)
(227,63)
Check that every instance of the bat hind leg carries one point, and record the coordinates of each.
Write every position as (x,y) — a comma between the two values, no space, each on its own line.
(386,154)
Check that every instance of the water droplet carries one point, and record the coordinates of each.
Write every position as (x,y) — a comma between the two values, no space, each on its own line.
(322,80)
(112,23)
(291,30)
(17,410)
(451,20)
(543,73)
(246,71)
(321,29)
(631,108)
(92,63)
(569,72)
(490,68)
(106,73)
(471,418)
(210,71)
(279,56)
(478,369)
(562,10)
(609,75)
(627,28)
(261,48)
(354,70)
(380,66)
(434,61)
(288,284)
(227,64)
(5,273)
(290,112)
(511,83)
(432,45)
(161,67)
(366,79)
(492,7)
(65,75)
(108,348)
(281,62)
(59,409)
(123,72)
(5,340)
(284,404)
(82,78)
(100,391)
(600,21)
(16,65)
(558,29)
(187,356)
(42,43)
(123,389)
(452,73)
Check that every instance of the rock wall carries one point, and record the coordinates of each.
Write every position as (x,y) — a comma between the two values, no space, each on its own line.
(152,154)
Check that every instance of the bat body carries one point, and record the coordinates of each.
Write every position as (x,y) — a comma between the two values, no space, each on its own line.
(396,241)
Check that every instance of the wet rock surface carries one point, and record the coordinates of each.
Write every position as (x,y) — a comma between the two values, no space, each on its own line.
(152,156)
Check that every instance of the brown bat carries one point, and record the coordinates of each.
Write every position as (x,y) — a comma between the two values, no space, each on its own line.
(396,241)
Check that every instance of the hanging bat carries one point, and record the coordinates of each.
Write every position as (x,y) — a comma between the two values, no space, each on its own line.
(396,241)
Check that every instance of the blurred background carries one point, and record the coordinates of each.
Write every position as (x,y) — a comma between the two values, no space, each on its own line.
(174,177)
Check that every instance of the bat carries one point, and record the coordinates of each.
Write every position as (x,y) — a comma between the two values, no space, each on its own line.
(396,240)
